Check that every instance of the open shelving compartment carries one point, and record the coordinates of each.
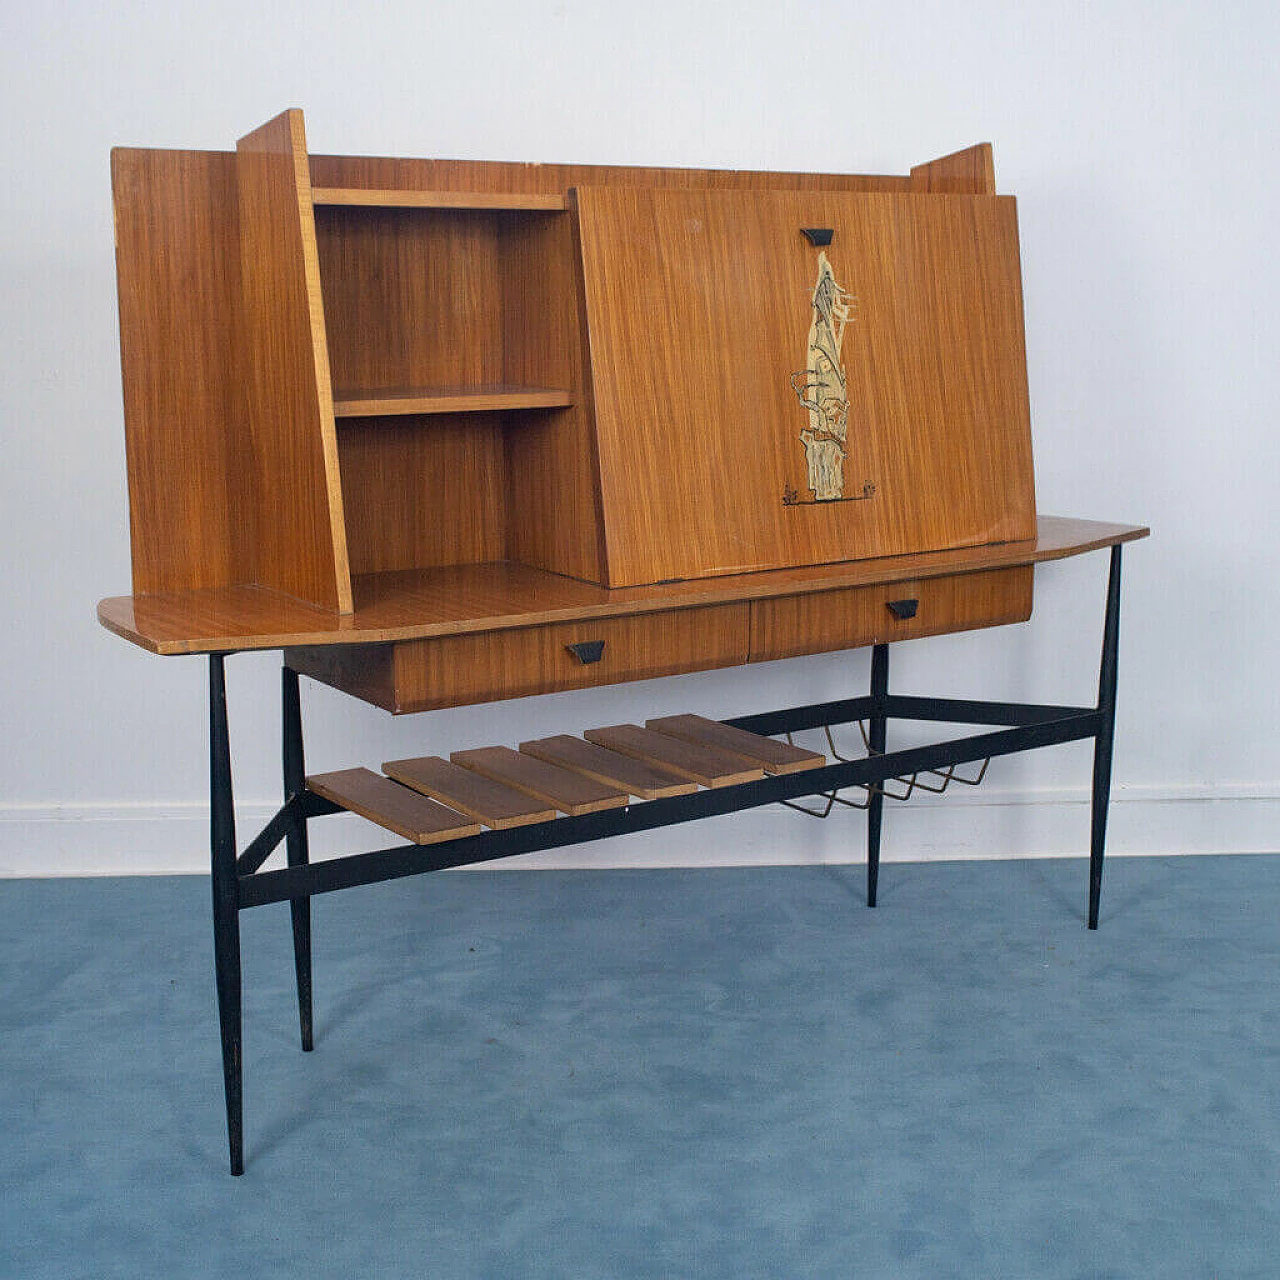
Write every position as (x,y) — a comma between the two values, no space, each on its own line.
(437,374)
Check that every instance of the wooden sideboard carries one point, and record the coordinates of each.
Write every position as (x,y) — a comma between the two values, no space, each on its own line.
(446,432)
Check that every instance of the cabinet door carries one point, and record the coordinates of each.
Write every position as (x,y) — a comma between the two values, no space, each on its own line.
(763,400)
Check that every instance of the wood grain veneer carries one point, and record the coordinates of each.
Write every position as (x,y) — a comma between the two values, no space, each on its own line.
(635,776)
(570,792)
(770,755)
(376,404)
(423,491)
(400,174)
(479,797)
(553,472)
(412,297)
(970,172)
(191,497)
(367,198)
(197,347)
(858,616)
(698,305)
(473,599)
(702,764)
(420,675)
(413,816)
(300,535)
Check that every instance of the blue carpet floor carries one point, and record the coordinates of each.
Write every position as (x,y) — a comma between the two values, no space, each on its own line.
(730,1073)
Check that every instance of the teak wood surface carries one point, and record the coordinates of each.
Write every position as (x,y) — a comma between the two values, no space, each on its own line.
(698,304)
(421,675)
(703,764)
(772,756)
(479,797)
(643,780)
(186,440)
(570,791)
(553,378)
(854,617)
(227,263)
(472,599)
(300,535)
(414,816)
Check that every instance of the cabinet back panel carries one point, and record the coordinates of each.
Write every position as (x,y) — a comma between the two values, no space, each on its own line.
(186,438)
(422,491)
(412,297)
(708,363)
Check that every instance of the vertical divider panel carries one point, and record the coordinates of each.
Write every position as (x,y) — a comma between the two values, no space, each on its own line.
(302,541)
(971,172)
(554,517)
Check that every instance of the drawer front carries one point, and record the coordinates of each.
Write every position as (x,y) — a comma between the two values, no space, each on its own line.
(853,617)
(458,670)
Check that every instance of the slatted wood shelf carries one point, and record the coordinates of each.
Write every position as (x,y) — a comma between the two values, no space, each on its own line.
(429,799)
(401,401)
(382,198)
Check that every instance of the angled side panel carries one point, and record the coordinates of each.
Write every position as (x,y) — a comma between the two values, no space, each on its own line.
(301,538)
(970,172)
(177,267)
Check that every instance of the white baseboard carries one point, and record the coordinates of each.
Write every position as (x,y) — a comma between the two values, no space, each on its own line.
(140,839)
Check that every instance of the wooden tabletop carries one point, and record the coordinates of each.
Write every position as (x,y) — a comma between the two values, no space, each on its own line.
(496,596)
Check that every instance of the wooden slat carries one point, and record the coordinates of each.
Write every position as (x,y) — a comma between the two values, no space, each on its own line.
(490,399)
(392,806)
(706,765)
(480,798)
(637,777)
(370,198)
(771,756)
(570,792)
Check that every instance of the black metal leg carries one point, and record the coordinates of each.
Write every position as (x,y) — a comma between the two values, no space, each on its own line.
(1106,734)
(226,906)
(877,737)
(296,848)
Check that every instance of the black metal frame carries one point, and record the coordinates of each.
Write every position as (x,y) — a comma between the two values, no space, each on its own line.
(239,883)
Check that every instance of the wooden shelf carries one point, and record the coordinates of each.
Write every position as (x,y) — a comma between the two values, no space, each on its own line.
(376,404)
(372,198)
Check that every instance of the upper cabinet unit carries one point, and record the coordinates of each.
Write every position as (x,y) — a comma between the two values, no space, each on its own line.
(346,372)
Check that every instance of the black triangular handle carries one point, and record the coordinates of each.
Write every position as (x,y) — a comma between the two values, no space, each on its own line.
(587,651)
(818,236)
(903,608)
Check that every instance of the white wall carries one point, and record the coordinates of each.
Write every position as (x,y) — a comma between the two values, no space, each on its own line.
(1140,139)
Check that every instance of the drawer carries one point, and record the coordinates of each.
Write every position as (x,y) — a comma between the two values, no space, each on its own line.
(446,671)
(851,617)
